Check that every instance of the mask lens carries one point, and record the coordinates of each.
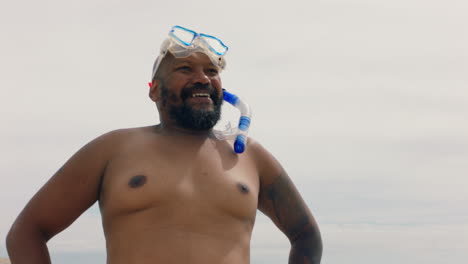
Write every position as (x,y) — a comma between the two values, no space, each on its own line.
(215,44)
(185,36)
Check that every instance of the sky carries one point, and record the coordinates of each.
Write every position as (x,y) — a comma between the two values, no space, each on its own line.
(365,104)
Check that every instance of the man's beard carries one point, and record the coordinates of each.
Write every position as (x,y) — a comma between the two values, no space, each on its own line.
(187,117)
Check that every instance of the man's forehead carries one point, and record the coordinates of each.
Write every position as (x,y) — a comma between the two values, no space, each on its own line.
(170,61)
(196,57)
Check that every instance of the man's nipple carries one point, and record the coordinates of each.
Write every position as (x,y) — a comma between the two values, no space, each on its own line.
(243,188)
(137,181)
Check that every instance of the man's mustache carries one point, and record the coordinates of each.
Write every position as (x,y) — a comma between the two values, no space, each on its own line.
(188,91)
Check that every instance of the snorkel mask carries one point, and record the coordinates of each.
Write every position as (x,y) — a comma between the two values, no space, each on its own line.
(181,43)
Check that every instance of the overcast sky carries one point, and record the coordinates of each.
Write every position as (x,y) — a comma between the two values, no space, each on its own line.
(365,103)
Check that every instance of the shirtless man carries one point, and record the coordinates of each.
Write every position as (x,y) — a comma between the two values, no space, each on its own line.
(171,193)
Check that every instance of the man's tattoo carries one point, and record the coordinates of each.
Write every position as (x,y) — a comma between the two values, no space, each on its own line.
(289,211)
(283,202)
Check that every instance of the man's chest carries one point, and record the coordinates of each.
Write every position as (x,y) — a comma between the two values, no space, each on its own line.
(206,182)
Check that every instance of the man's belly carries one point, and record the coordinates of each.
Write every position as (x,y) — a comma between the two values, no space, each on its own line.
(182,241)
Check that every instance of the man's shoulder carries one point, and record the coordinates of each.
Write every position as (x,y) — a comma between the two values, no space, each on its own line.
(115,138)
(259,153)
(126,133)
(266,163)
(256,149)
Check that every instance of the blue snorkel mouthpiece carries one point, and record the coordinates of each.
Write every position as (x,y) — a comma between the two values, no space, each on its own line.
(240,133)
(230,98)
(239,144)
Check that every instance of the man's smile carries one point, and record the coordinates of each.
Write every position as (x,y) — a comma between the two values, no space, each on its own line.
(200,95)
(201,98)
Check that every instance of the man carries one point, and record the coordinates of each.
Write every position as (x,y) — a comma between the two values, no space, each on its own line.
(173,192)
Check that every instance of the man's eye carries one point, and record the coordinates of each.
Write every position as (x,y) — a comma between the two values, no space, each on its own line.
(213,71)
(184,68)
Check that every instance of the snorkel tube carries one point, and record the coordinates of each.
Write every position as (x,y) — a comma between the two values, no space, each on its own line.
(244,122)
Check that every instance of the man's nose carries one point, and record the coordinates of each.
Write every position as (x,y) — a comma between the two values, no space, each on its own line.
(201,77)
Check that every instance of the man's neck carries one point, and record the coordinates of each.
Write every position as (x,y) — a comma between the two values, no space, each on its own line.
(175,130)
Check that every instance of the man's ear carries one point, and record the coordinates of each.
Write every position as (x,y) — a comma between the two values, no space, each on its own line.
(154,91)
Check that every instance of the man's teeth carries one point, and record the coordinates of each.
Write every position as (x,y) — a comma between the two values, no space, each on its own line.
(200,95)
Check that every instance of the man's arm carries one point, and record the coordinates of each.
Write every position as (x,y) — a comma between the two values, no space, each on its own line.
(282,203)
(72,190)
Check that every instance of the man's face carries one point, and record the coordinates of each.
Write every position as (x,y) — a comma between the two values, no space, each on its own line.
(191,92)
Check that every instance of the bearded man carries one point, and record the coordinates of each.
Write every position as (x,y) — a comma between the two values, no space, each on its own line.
(172,192)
